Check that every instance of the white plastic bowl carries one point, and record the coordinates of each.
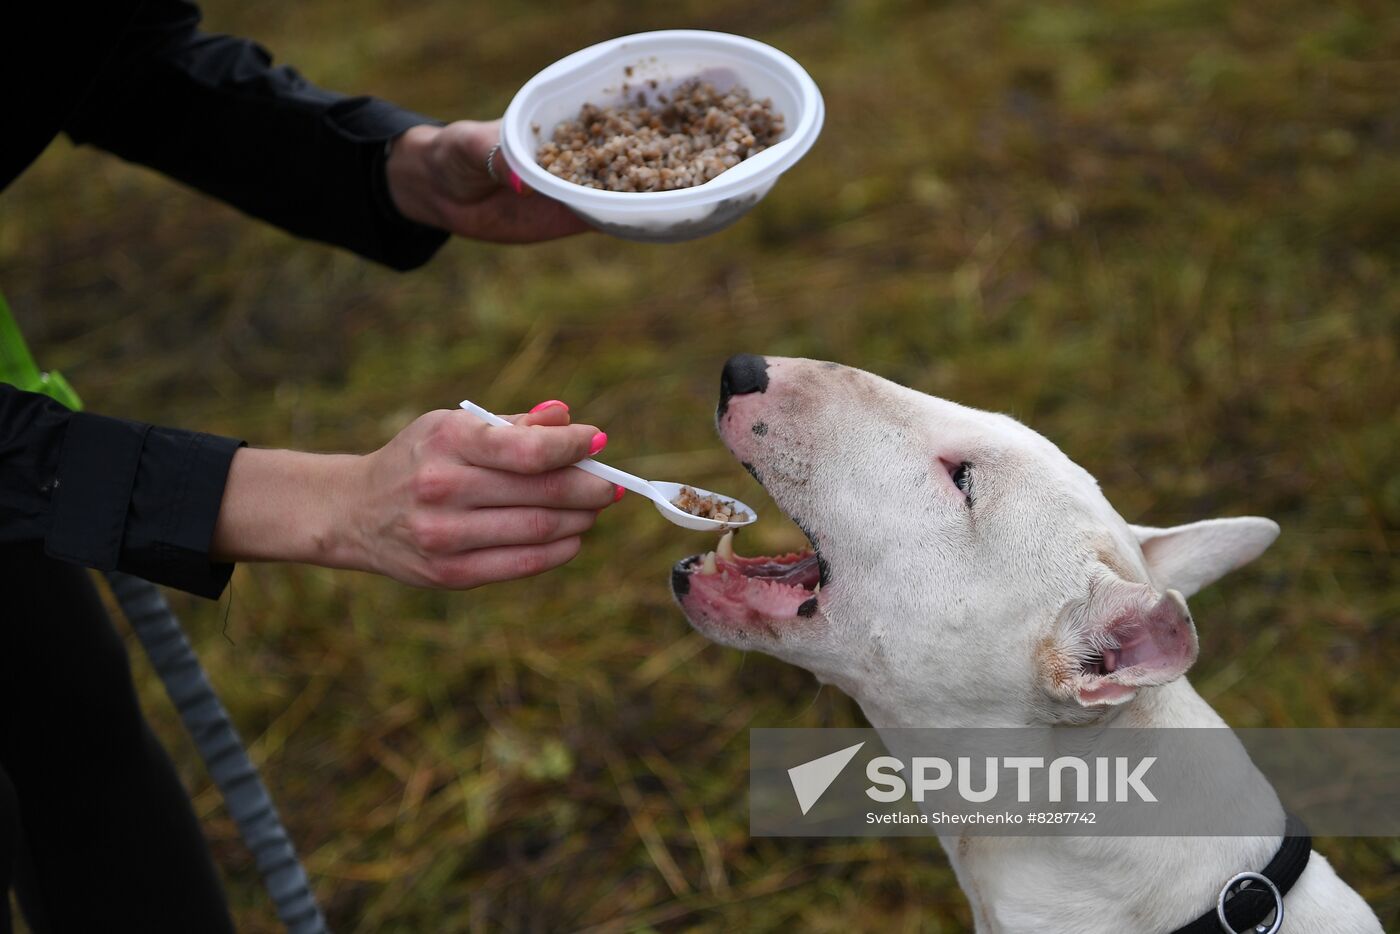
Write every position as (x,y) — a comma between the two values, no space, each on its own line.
(596,75)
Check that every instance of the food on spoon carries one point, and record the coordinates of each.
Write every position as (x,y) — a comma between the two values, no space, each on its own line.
(708,506)
(679,141)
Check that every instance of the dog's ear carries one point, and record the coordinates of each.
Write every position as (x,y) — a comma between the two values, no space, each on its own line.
(1189,557)
(1125,637)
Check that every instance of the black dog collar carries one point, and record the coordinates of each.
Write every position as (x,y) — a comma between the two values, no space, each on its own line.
(1246,909)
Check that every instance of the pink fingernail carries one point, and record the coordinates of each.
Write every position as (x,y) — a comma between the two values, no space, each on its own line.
(515,184)
(549,405)
(618,495)
(600,441)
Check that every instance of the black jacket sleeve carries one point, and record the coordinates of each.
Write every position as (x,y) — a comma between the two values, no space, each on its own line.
(212,111)
(112,494)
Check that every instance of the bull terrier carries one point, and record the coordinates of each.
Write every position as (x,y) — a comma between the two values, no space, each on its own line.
(964,572)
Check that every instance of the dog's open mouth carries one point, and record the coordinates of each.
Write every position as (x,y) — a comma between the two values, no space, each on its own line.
(757,590)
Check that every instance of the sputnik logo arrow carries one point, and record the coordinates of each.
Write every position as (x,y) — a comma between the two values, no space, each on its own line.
(810,780)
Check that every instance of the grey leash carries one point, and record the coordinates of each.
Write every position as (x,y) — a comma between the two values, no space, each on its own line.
(218,743)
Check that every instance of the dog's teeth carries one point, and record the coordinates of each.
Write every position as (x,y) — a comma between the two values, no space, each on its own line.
(726,546)
(818,588)
(708,565)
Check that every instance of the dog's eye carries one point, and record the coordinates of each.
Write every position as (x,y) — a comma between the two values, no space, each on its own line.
(962,476)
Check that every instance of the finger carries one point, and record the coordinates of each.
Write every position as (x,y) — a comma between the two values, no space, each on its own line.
(565,488)
(502,217)
(455,486)
(457,532)
(533,449)
(552,413)
(509,562)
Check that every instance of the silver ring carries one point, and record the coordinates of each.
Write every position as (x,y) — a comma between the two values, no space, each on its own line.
(1273,890)
(491,163)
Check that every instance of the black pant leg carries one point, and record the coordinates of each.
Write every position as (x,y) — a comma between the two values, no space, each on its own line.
(109,832)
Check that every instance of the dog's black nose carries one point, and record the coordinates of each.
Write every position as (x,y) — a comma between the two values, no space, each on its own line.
(743,373)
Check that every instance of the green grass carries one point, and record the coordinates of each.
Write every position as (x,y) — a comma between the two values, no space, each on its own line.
(1166,234)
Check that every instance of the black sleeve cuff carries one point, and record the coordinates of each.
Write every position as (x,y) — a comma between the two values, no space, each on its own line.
(96,471)
(142,500)
(174,507)
(375,124)
(371,120)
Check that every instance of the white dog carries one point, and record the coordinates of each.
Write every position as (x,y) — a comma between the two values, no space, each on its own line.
(966,573)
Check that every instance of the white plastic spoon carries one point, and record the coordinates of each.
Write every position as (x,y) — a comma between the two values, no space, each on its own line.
(660,492)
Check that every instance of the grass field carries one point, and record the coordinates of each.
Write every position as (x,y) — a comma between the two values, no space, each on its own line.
(1166,234)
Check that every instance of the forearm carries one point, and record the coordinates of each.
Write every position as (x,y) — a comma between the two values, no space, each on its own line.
(288,506)
(449,502)
(215,113)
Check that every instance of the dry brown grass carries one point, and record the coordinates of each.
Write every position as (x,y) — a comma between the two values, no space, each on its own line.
(1166,234)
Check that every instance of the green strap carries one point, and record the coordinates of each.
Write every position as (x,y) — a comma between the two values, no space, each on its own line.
(17,366)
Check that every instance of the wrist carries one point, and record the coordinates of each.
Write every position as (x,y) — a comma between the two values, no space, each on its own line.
(409,177)
(328,532)
(289,506)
